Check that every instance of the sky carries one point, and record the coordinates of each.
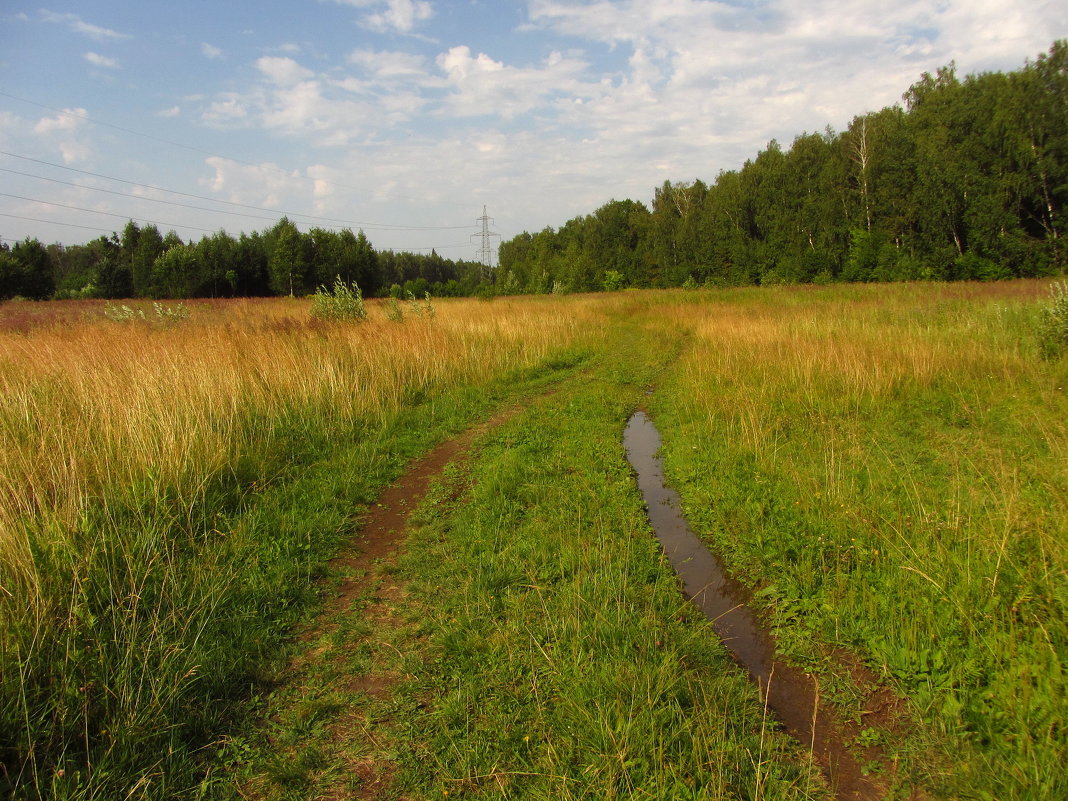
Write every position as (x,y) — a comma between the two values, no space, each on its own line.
(405,118)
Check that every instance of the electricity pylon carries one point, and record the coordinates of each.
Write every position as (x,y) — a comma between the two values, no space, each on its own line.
(485,252)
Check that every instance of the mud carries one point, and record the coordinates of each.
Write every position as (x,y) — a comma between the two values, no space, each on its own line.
(365,567)
(791,695)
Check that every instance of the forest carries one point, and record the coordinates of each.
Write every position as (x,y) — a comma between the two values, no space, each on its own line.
(141,262)
(967,180)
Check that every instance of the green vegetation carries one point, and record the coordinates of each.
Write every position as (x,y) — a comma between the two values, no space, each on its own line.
(1053,326)
(343,302)
(969,181)
(543,650)
(168,495)
(887,467)
(282,260)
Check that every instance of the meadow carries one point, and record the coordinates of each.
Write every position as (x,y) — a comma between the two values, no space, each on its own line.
(168,490)
(886,467)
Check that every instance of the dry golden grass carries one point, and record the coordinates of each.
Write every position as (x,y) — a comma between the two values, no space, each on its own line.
(91,408)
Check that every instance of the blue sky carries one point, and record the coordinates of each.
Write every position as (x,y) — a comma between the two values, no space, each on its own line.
(406,117)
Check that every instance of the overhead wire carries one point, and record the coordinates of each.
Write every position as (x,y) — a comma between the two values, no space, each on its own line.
(107,213)
(363,224)
(287,173)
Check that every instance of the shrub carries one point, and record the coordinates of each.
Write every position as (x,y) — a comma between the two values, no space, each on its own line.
(1053,323)
(343,302)
(613,281)
(425,309)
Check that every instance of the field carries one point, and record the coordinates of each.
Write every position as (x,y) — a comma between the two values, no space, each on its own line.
(885,466)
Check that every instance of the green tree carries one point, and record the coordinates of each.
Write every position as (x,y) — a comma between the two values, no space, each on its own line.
(175,272)
(27,271)
(288,260)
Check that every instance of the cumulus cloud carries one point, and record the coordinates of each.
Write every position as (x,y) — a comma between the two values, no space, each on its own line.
(226,110)
(264,184)
(66,132)
(608,99)
(103,62)
(297,102)
(385,65)
(401,16)
(283,71)
(210,51)
(480,85)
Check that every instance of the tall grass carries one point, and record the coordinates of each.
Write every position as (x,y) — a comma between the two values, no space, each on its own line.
(890,464)
(147,554)
(558,659)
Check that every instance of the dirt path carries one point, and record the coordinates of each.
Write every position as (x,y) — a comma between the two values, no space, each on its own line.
(366,602)
(349,667)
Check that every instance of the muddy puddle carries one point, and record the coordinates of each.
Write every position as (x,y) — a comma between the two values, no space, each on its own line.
(791,695)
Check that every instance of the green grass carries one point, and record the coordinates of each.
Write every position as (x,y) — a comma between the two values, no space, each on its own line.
(887,466)
(175,617)
(892,471)
(545,650)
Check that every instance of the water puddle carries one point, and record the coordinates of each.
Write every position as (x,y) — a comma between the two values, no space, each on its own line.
(791,695)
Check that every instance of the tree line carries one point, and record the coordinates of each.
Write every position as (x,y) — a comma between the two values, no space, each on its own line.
(967,180)
(282,260)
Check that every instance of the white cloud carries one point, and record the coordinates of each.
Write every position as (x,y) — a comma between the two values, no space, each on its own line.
(384,65)
(228,109)
(482,86)
(170,113)
(264,184)
(637,91)
(65,132)
(78,25)
(103,62)
(210,51)
(283,71)
(400,15)
(392,15)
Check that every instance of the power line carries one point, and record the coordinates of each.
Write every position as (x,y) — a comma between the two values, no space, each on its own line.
(139,197)
(104,231)
(48,222)
(108,213)
(87,118)
(370,226)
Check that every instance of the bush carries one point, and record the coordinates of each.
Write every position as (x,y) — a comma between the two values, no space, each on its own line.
(1053,323)
(344,302)
(613,281)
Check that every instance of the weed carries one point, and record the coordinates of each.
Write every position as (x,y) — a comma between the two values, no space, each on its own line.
(160,313)
(343,302)
(421,309)
(1053,322)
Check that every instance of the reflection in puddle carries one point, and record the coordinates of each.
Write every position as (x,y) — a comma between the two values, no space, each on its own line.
(791,695)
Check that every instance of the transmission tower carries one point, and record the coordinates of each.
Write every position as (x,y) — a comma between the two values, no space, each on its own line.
(486,250)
